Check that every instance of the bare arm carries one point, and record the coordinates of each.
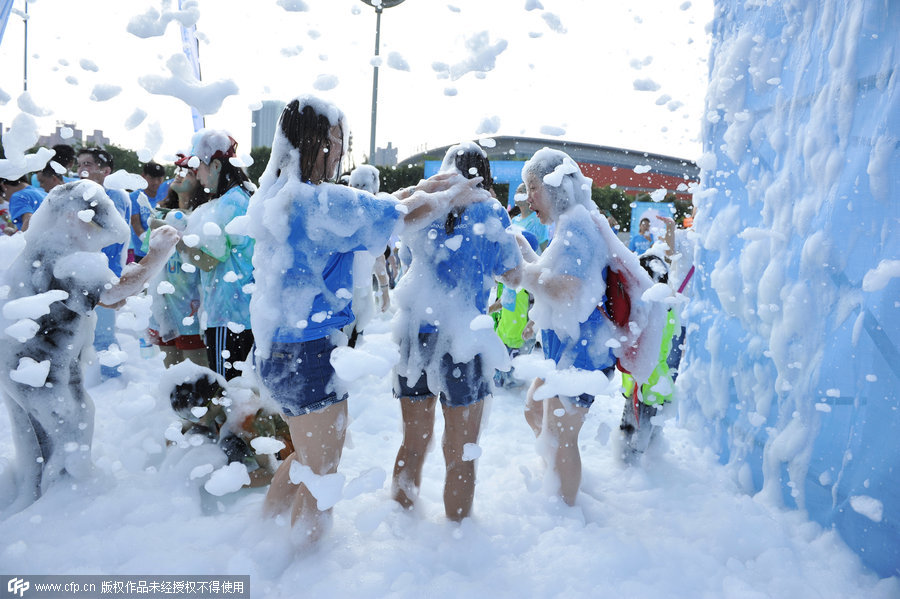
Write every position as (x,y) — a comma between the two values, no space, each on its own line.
(438,195)
(135,275)
(26,218)
(383,282)
(136,224)
(514,276)
(542,281)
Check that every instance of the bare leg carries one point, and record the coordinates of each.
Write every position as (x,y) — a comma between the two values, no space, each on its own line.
(318,443)
(29,454)
(534,410)
(563,423)
(418,427)
(461,425)
(281,490)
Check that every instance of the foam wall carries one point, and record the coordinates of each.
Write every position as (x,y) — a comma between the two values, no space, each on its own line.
(792,364)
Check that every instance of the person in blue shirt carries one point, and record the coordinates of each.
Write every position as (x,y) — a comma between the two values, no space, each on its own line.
(643,239)
(48,178)
(23,201)
(448,348)
(64,157)
(306,231)
(96,164)
(142,204)
(528,220)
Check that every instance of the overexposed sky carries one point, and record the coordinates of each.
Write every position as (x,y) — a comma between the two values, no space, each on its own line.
(631,75)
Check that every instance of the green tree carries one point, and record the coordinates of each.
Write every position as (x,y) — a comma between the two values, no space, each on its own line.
(124,158)
(613,202)
(260,156)
(397,177)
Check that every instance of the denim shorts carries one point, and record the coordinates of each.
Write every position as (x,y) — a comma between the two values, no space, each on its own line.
(299,376)
(463,383)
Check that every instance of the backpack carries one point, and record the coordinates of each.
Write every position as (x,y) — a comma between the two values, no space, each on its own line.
(618,302)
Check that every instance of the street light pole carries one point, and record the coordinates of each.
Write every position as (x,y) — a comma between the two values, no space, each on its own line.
(25,53)
(378,11)
(379,6)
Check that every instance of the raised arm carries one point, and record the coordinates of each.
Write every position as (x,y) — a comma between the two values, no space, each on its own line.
(437,196)
(135,275)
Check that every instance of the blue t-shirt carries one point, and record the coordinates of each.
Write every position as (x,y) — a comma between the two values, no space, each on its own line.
(466,261)
(116,252)
(640,244)
(140,204)
(325,231)
(161,193)
(533,225)
(23,202)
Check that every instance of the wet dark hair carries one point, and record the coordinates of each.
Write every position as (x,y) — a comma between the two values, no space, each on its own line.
(466,160)
(65,155)
(102,157)
(230,176)
(22,179)
(48,171)
(471,158)
(655,267)
(153,169)
(307,131)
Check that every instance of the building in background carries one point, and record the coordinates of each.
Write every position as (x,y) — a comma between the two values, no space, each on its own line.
(69,133)
(264,122)
(631,171)
(385,156)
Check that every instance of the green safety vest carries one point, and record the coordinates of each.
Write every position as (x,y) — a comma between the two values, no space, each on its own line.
(661,372)
(509,324)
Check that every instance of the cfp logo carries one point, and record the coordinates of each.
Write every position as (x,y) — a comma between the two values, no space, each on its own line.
(17,586)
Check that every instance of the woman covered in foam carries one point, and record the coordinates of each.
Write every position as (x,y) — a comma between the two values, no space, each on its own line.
(307,230)
(568,282)
(447,342)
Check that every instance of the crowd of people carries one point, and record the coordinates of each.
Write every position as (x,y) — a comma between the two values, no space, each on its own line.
(267,282)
